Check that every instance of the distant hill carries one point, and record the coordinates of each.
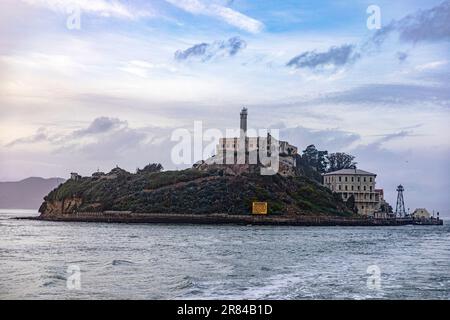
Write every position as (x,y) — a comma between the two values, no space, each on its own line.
(26,194)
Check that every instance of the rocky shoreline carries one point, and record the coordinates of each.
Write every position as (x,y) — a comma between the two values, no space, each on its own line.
(215,219)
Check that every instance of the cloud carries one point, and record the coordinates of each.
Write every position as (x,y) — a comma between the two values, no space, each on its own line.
(145,69)
(40,136)
(431,65)
(104,140)
(400,166)
(205,51)
(329,139)
(100,125)
(100,131)
(334,58)
(223,13)
(402,56)
(425,25)
(116,144)
(391,136)
(104,144)
(104,8)
(397,94)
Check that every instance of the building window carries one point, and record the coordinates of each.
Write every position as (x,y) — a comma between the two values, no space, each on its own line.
(370,179)
(370,188)
(352,188)
(345,187)
(364,188)
(359,179)
(340,179)
(359,188)
(353,179)
(345,179)
(340,187)
(364,179)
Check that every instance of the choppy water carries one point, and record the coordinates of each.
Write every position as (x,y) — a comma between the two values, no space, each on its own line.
(240,262)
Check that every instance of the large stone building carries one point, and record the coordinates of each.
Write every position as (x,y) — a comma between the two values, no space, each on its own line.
(360,184)
(248,150)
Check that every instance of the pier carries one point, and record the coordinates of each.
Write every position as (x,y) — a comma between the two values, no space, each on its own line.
(238,219)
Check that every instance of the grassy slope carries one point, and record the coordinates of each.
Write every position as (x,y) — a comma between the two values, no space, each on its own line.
(193,191)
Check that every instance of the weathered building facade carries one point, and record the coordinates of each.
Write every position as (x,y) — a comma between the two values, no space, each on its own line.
(254,150)
(360,184)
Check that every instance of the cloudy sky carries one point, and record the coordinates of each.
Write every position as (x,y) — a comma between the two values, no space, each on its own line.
(112,91)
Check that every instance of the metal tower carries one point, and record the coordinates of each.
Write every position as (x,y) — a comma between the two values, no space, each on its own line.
(400,211)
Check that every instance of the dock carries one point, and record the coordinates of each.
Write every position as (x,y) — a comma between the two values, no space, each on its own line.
(237,219)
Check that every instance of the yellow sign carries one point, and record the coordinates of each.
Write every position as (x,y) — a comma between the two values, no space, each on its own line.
(259,208)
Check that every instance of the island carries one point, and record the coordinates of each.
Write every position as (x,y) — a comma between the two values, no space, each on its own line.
(216,195)
(226,187)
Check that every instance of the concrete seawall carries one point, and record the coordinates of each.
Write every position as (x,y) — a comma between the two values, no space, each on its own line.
(232,219)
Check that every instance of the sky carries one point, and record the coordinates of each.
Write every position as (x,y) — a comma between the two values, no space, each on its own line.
(88,85)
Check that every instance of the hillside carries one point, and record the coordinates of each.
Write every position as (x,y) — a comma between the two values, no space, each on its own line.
(27,193)
(215,190)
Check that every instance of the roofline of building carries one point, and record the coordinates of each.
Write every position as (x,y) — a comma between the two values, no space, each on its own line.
(335,173)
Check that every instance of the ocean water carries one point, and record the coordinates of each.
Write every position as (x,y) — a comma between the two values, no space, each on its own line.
(158,261)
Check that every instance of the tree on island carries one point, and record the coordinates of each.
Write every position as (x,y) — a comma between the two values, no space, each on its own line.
(315,158)
(323,162)
(340,160)
(150,168)
(350,203)
(385,207)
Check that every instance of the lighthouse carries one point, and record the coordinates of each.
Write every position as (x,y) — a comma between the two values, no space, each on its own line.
(243,126)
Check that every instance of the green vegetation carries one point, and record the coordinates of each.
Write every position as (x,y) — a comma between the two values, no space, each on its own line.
(323,162)
(340,160)
(193,191)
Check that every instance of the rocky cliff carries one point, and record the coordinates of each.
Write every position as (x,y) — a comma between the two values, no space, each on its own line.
(216,189)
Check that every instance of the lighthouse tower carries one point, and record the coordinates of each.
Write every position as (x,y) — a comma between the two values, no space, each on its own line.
(243,143)
(243,126)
